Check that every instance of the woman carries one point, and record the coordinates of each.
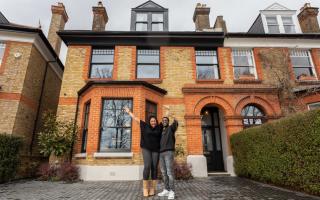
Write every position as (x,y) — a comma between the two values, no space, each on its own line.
(150,145)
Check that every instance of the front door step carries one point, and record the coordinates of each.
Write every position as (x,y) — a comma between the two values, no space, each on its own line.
(218,174)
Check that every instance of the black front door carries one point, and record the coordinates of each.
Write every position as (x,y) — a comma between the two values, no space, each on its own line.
(211,139)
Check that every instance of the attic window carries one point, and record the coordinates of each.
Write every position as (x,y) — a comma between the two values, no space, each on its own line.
(273,25)
(288,24)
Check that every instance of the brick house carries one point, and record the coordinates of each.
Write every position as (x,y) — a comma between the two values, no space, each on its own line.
(30,77)
(215,82)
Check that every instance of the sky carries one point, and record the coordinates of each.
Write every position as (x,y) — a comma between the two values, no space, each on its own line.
(239,14)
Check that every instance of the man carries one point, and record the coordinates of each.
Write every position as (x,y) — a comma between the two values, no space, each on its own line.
(167,148)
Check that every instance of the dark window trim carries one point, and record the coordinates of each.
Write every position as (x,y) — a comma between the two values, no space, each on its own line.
(149,21)
(218,64)
(100,126)
(154,64)
(84,140)
(151,103)
(91,63)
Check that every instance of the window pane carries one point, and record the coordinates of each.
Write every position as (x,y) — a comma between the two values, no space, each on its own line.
(272,20)
(151,109)
(2,48)
(273,29)
(287,20)
(301,62)
(142,17)
(116,125)
(148,59)
(102,56)
(206,57)
(101,71)
(157,26)
(243,71)
(205,72)
(148,71)
(314,106)
(252,115)
(303,71)
(157,17)
(141,26)
(289,29)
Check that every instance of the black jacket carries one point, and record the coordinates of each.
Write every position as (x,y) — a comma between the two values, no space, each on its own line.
(168,139)
(150,137)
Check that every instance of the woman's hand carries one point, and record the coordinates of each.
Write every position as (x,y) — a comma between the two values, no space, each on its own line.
(126,109)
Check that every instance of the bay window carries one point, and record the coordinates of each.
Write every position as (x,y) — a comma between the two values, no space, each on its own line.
(115,132)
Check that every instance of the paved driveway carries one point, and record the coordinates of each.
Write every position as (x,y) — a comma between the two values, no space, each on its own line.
(217,188)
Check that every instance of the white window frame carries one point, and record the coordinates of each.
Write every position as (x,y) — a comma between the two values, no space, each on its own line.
(280,22)
(252,56)
(292,24)
(310,59)
(315,103)
(2,46)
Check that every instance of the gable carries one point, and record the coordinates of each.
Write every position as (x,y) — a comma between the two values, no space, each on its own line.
(150,4)
(277,6)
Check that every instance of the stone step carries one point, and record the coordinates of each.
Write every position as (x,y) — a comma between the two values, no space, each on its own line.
(218,174)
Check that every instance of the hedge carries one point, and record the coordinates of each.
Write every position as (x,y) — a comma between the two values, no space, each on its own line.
(9,156)
(285,152)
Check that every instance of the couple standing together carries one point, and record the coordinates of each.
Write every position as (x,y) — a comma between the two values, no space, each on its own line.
(157,143)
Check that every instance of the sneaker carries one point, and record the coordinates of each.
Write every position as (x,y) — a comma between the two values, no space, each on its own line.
(171,195)
(164,193)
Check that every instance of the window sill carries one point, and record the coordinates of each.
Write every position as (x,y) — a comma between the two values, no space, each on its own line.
(214,81)
(307,82)
(113,155)
(150,80)
(80,155)
(247,81)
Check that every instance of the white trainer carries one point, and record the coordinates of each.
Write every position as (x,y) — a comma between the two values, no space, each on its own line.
(171,194)
(164,193)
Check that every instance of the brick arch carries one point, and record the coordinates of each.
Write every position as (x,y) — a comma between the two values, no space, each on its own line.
(215,100)
(263,104)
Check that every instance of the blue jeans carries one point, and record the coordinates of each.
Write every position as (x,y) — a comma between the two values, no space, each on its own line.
(166,167)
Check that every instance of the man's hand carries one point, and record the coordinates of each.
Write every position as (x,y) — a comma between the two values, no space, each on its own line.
(126,109)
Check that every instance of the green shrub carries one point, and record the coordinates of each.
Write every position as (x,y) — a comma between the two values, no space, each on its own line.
(9,156)
(285,152)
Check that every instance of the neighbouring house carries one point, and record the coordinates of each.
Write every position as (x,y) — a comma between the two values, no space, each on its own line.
(216,83)
(30,78)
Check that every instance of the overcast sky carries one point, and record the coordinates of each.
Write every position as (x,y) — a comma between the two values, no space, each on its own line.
(239,14)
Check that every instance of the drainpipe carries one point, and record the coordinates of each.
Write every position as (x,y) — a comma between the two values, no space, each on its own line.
(75,125)
(39,106)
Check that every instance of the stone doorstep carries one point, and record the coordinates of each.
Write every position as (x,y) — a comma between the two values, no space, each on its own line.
(219,174)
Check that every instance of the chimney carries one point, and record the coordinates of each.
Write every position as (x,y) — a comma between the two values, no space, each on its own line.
(201,17)
(100,17)
(220,24)
(58,20)
(308,19)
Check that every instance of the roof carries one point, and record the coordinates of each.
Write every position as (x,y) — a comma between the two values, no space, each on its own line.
(149,5)
(276,6)
(8,26)
(281,35)
(129,83)
(142,38)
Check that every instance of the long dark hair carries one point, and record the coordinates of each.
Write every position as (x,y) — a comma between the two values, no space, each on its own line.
(150,117)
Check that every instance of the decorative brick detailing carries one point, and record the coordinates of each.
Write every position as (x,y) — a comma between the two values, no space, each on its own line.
(258,63)
(87,62)
(67,101)
(19,97)
(315,53)
(225,64)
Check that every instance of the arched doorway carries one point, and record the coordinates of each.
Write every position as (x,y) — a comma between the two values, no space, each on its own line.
(211,128)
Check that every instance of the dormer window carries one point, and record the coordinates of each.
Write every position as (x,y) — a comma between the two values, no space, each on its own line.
(276,19)
(273,25)
(149,17)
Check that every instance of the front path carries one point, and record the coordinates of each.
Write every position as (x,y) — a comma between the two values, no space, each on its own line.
(213,188)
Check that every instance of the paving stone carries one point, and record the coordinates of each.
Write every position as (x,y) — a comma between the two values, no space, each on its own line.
(212,188)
